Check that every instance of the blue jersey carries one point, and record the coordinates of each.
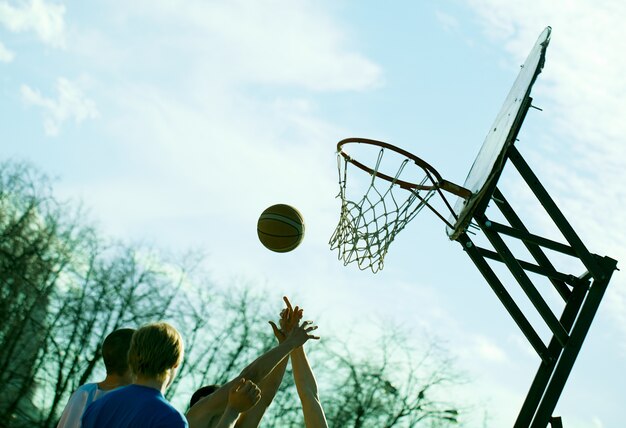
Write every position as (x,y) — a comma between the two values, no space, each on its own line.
(133,406)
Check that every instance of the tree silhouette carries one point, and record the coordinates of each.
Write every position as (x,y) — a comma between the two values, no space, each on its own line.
(64,288)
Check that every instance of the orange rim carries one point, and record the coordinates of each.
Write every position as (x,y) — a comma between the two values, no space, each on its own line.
(430,171)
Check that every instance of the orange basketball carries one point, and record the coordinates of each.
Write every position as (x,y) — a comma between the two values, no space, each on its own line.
(280,228)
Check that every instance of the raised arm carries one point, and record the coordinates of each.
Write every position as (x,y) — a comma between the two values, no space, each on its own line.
(269,386)
(306,385)
(200,414)
(307,390)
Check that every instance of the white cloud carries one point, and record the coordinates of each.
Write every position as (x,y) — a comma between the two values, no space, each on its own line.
(480,349)
(43,18)
(448,22)
(488,350)
(522,347)
(71,103)
(585,66)
(198,123)
(5,54)
(274,42)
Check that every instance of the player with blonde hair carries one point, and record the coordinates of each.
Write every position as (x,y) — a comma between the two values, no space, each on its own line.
(156,351)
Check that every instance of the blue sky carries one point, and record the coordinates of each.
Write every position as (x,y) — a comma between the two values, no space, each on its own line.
(177,123)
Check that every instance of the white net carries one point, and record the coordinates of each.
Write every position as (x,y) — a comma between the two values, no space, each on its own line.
(366,228)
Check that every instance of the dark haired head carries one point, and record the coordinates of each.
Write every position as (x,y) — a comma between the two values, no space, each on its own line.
(202,392)
(115,351)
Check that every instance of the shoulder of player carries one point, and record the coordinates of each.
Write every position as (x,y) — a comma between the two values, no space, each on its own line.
(203,416)
(83,393)
(86,388)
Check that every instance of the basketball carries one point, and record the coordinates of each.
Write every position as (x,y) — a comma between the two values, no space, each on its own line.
(280,228)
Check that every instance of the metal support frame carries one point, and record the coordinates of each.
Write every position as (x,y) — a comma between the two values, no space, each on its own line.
(582,294)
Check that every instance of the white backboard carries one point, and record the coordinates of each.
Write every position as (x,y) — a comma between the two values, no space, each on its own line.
(492,155)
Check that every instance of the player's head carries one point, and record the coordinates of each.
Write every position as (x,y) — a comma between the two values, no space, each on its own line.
(202,392)
(156,351)
(115,351)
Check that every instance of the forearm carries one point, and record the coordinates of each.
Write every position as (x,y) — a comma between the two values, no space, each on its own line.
(228,418)
(269,386)
(262,366)
(208,407)
(302,373)
(307,390)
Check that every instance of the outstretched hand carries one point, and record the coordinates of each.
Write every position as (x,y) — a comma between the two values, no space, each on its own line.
(280,334)
(301,333)
(290,317)
(290,325)
(244,395)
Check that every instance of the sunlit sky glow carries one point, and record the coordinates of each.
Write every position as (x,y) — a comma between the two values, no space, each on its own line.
(177,123)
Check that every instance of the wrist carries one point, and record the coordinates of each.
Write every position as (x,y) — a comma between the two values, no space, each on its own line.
(297,355)
(230,413)
(290,342)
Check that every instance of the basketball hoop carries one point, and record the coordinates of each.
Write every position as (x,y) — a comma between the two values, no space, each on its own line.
(369,223)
